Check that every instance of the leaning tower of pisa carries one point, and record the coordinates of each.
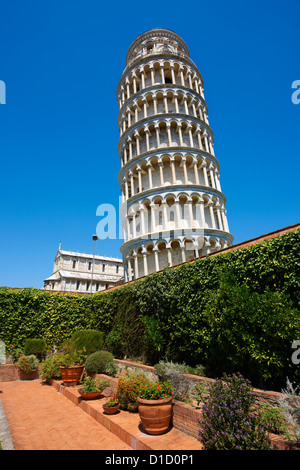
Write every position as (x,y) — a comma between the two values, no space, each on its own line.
(173,208)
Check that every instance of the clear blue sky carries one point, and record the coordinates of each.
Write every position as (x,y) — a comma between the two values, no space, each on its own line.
(61,62)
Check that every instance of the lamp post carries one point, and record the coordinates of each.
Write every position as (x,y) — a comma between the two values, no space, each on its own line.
(95,238)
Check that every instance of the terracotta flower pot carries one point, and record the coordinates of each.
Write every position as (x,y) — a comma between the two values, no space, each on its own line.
(111,410)
(28,375)
(71,375)
(89,395)
(155,414)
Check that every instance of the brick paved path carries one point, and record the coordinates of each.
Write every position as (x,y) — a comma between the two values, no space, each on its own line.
(41,418)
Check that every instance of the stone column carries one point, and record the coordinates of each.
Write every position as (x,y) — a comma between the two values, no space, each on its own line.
(152,74)
(211,211)
(178,214)
(190,135)
(162,73)
(195,163)
(143,210)
(129,140)
(126,187)
(150,175)
(143,78)
(184,170)
(129,269)
(173,74)
(124,154)
(191,216)
(219,217)
(161,172)
(225,222)
(136,111)
(131,182)
(154,105)
(169,252)
(145,262)
(199,138)
(147,133)
(153,216)
(134,84)
(183,254)
(202,213)
(211,171)
(169,133)
(145,107)
(136,266)
(180,134)
(203,166)
(185,104)
(165,216)
(155,250)
(157,135)
(218,181)
(137,142)
(139,170)
(165,102)
(173,170)
(181,75)
(206,141)
(129,117)
(128,227)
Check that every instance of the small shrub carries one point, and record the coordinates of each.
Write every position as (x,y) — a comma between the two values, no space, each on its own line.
(27,364)
(200,393)
(90,340)
(272,417)
(35,346)
(227,423)
(50,367)
(99,362)
(114,343)
(15,353)
(290,404)
(94,385)
(128,389)
(69,356)
(199,369)
(173,372)
(112,369)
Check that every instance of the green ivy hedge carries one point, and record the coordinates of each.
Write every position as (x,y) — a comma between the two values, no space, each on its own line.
(237,311)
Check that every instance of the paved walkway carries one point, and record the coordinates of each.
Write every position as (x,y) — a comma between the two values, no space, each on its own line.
(41,418)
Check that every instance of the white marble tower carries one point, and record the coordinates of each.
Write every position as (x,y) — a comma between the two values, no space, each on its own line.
(172,204)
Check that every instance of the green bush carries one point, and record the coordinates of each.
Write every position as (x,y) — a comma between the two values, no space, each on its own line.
(227,423)
(35,346)
(99,362)
(128,389)
(27,364)
(273,419)
(114,343)
(90,340)
(50,367)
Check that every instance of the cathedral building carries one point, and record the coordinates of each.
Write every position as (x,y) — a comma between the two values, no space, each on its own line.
(173,208)
(84,273)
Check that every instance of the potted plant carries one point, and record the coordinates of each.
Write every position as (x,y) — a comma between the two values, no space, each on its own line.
(112,405)
(50,368)
(27,366)
(92,388)
(155,406)
(72,364)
